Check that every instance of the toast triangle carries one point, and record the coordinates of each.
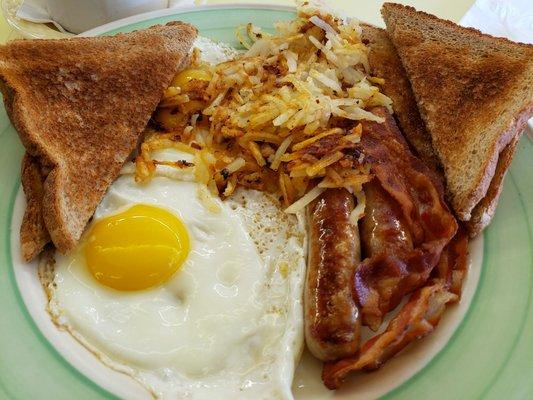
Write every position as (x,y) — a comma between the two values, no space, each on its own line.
(386,64)
(79,106)
(474,92)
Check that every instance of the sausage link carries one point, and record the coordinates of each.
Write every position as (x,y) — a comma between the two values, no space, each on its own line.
(332,320)
(383,228)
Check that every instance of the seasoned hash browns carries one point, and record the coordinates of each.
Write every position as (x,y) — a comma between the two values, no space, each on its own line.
(281,117)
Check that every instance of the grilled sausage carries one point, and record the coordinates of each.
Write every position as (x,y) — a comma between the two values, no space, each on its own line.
(383,228)
(332,321)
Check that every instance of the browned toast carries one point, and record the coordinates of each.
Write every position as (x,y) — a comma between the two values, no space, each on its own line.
(475,94)
(79,106)
(385,63)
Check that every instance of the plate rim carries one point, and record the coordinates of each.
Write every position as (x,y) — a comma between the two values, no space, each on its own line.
(166,12)
(162,13)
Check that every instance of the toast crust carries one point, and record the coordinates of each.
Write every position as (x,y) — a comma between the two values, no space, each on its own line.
(80,105)
(484,211)
(33,233)
(490,166)
(474,92)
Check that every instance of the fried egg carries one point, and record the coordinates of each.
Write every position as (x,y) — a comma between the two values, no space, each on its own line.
(190,301)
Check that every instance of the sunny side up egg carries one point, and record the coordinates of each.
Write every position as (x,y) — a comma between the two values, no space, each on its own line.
(189,302)
(227,323)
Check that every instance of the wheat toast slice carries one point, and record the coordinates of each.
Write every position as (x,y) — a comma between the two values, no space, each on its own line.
(474,92)
(80,105)
(386,64)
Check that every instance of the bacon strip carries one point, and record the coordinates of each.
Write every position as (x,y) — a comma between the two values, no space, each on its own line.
(418,317)
(383,279)
(452,266)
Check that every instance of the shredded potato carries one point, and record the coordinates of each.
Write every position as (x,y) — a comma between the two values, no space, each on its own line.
(280,152)
(281,117)
(304,200)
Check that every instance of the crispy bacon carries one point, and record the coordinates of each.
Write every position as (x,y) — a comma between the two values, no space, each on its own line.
(452,266)
(384,278)
(417,318)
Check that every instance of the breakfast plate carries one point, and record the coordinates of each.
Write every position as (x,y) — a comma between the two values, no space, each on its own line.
(482,349)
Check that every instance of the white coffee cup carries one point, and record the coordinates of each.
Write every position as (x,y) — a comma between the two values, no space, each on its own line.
(81,15)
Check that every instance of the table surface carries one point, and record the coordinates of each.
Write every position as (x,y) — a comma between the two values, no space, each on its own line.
(364,10)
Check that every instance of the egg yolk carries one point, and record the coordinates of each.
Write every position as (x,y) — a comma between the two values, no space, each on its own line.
(189,74)
(136,249)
